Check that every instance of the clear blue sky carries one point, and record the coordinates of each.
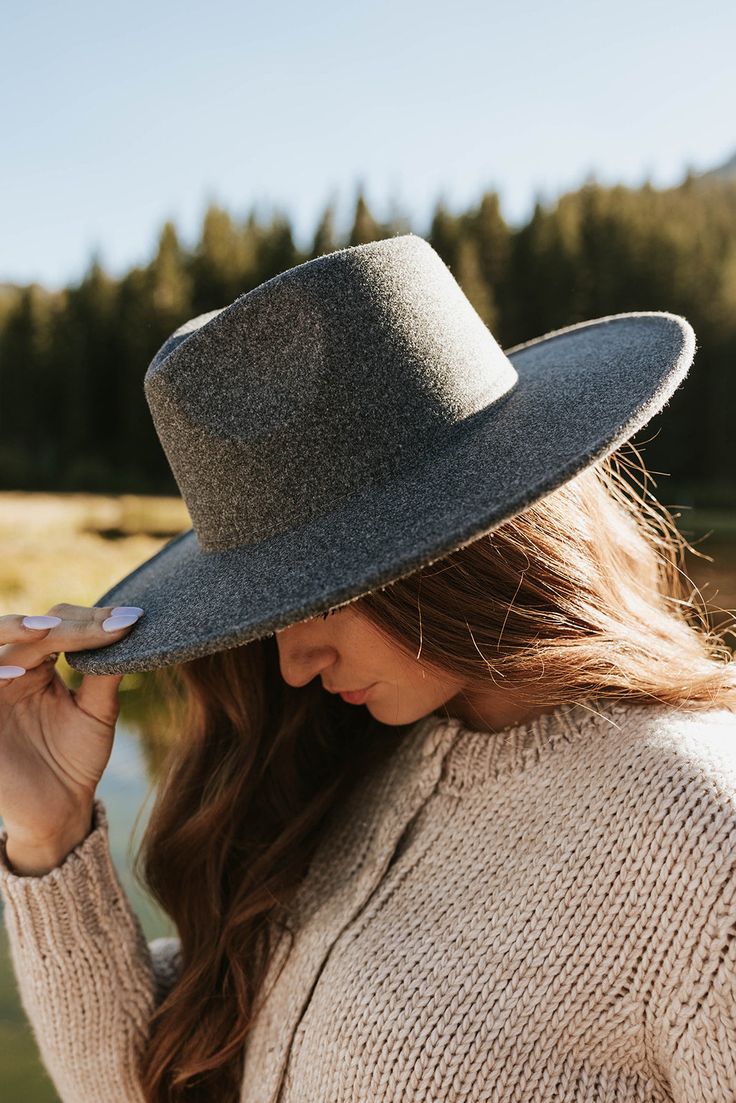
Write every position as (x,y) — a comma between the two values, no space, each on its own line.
(120,116)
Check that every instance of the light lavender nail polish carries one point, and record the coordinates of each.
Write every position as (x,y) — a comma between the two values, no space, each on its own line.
(113,624)
(126,610)
(8,672)
(41,623)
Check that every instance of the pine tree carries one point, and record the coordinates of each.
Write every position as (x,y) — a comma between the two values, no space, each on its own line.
(444,234)
(469,275)
(365,227)
(325,239)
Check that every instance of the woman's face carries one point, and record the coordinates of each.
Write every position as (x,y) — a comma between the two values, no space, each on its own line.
(347,653)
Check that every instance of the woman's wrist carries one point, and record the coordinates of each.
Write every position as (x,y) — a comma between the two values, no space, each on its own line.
(34,860)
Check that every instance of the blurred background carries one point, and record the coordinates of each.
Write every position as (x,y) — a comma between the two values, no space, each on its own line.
(567,161)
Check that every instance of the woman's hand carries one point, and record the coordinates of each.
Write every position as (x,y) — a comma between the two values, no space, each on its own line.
(54,742)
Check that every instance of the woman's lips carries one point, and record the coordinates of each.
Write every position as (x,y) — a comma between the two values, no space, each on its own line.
(358,697)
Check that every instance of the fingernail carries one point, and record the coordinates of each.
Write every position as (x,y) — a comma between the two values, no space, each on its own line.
(41,623)
(112,624)
(11,671)
(126,610)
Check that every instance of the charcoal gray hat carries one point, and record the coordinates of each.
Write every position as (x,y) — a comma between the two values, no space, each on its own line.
(352,420)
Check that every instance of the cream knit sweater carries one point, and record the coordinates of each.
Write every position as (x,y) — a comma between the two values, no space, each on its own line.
(546,913)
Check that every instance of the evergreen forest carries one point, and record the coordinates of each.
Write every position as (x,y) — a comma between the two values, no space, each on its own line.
(73,415)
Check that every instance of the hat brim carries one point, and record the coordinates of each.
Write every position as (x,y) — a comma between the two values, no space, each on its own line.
(581,392)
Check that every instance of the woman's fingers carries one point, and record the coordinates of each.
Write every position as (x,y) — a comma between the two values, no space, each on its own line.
(97,695)
(26,642)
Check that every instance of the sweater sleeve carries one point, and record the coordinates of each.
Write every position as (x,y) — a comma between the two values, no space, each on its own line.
(694,1018)
(87,979)
(702,1050)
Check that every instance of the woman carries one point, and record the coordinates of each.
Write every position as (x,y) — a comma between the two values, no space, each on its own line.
(506,867)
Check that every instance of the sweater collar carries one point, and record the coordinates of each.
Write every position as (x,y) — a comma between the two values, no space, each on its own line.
(476,756)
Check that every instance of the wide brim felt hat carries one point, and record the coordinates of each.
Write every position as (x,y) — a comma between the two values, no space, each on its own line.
(352,420)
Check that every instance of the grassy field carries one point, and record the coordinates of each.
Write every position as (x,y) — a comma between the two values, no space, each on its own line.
(72,547)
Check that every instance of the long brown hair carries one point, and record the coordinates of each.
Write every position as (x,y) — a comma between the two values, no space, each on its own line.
(583,594)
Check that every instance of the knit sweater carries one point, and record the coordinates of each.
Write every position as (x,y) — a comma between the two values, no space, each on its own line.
(543,913)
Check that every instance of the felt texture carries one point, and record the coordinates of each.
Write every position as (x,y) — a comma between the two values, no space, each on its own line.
(352,420)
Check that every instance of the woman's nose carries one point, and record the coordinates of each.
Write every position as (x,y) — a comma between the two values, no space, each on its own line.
(301,661)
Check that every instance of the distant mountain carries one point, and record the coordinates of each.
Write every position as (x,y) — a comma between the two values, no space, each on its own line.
(726,171)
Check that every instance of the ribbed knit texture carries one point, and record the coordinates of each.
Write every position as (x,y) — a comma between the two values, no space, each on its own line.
(545,914)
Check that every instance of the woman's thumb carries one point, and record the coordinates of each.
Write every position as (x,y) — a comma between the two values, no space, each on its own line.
(97,695)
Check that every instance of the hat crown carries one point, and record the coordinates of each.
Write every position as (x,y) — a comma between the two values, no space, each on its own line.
(339,372)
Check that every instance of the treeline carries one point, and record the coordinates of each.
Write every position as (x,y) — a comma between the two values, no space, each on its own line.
(73,415)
